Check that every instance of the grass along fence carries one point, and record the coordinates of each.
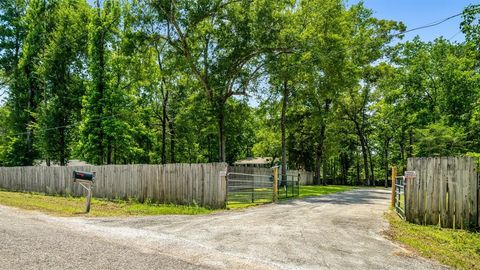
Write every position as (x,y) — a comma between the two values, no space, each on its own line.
(171,183)
(444,192)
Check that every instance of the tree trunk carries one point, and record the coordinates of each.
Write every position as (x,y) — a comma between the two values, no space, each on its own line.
(402,148)
(109,150)
(364,147)
(171,127)
(334,171)
(221,131)
(63,156)
(387,142)
(319,151)
(31,106)
(365,161)
(358,168)
(318,163)
(283,130)
(410,143)
(164,126)
(372,169)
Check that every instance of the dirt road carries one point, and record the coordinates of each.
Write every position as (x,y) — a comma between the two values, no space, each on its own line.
(340,231)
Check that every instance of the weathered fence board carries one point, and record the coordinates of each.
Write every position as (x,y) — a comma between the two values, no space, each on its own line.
(445,192)
(171,183)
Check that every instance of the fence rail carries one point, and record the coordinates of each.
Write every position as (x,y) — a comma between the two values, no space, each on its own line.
(400,196)
(304,177)
(171,183)
(249,188)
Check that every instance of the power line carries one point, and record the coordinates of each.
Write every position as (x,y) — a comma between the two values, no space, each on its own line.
(429,25)
(450,39)
(474,8)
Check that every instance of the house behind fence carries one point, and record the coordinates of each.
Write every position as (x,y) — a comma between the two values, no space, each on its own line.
(171,183)
(444,191)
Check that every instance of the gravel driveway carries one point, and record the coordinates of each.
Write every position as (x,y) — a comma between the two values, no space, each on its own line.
(339,231)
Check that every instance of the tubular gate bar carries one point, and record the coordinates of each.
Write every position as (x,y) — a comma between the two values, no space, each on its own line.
(400,196)
(243,188)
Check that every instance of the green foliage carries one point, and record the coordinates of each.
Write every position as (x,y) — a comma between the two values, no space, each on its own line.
(62,61)
(268,143)
(156,82)
(438,139)
(470,26)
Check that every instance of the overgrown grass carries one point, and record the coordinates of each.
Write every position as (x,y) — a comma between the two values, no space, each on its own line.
(457,248)
(69,206)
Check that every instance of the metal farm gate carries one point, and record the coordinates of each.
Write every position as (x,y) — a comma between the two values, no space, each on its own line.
(400,196)
(243,188)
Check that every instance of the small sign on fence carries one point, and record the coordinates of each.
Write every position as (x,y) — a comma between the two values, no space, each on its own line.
(410,174)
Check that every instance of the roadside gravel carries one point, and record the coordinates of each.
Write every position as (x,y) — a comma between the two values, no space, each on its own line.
(339,231)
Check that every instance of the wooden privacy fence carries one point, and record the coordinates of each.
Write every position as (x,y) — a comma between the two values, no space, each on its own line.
(170,183)
(444,192)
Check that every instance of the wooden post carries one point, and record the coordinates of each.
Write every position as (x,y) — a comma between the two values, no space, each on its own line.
(89,198)
(275,183)
(394,176)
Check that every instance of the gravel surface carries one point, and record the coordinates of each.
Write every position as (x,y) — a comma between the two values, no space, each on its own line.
(339,231)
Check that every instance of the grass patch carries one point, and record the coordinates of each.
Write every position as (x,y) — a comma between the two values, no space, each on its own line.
(240,205)
(70,206)
(242,201)
(456,248)
(308,191)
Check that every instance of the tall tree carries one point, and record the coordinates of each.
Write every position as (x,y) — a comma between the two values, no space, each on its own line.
(95,144)
(61,68)
(217,41)
(28,87)
(13,30)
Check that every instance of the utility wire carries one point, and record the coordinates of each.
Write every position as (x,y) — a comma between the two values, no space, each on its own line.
(429,25)
(450,39)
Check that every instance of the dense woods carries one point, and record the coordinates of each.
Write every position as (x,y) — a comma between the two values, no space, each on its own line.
(320,85)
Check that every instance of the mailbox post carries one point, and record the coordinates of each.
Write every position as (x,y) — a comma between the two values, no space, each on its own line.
(86,180)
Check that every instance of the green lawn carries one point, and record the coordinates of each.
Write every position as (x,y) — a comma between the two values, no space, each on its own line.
(305,191)
(69,206)
(457,248)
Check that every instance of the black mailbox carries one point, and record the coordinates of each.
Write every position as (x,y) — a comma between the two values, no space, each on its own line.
(83,176)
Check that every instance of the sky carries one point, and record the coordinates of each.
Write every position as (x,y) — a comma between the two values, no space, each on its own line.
(415,13)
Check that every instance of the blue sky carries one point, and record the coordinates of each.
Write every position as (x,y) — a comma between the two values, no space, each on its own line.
(415,13)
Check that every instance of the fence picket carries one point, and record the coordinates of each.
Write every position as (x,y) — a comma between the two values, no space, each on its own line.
(171,183)
(444,192)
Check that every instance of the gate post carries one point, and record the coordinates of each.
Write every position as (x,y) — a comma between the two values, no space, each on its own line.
(394,176)
(275,183)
